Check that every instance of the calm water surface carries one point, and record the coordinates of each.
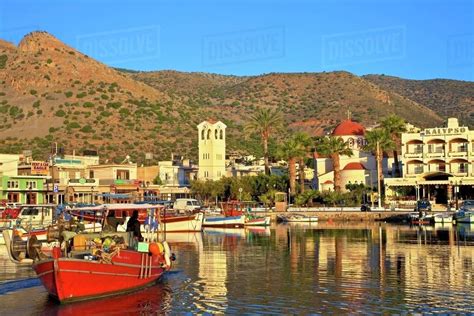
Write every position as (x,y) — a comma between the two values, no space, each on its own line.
(289,269)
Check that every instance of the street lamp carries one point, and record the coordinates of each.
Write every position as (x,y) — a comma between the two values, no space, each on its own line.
(240,194)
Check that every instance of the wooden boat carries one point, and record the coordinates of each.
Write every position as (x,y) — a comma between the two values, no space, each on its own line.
(225,221)
(237,208)
(257,221)
(297,218)
(87,273)
(171,223)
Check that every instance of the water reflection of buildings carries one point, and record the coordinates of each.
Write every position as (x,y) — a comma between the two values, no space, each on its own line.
(410,264)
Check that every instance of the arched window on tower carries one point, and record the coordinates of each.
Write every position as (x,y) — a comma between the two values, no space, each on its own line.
(208,134)
(221,136)
(202,134)
(215,133)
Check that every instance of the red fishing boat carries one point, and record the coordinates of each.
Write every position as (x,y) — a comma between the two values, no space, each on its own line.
(105,270)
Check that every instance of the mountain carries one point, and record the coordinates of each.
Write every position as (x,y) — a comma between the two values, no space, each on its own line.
(50,92)
(446,97)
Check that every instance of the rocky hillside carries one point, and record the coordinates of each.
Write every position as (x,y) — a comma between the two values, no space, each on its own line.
(50,92)
(446,97)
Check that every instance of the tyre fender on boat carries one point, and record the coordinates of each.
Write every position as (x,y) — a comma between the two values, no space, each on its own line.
(167,254)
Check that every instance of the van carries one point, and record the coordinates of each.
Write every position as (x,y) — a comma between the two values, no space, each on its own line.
(36,215)
(186,205)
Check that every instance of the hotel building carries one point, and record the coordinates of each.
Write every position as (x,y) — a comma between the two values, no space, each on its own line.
(438,164)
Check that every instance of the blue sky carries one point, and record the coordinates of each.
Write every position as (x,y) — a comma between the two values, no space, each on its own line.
(417,39)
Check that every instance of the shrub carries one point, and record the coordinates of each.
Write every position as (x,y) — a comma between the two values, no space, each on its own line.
(104,97)
(87,129)
(3,61)
(114,105)
(81,95)
(36,104)
(88,105)
(49,61)
(60,113)
(73,125)
(68,94)
(33,92)
(2,94)
(47,77)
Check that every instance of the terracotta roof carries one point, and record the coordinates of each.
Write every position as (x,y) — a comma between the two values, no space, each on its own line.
(328,182)
(354,166)
(349,127)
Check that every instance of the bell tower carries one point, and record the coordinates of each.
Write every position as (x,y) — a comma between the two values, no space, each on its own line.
(211,140)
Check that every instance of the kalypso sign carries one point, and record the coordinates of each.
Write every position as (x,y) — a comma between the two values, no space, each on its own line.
(445,131)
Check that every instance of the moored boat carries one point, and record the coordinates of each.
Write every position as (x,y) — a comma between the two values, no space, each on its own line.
(442,218)
(297,218)
(257,221)
(96,268)
(225,221)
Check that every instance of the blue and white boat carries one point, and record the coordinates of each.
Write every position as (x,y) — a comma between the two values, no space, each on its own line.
(225,222)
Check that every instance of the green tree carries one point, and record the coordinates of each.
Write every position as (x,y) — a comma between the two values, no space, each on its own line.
(264,122)
(334,147)
(305,142)
(290,151)
(378,141)
(395,126)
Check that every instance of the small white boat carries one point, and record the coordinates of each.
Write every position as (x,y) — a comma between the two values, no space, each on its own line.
(297,218)
(225,222)
(257,221)
(442,218)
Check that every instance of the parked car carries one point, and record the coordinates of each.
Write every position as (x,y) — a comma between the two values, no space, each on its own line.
(365,208)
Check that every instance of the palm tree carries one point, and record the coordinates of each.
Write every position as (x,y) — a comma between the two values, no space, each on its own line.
(378,141)
(305,142)
(291,150)
(334,147)
(264,122)
(394,125)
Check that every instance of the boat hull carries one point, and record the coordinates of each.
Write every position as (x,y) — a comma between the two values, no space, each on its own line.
(68,279)
(225,222)
(191,223)
(259,221)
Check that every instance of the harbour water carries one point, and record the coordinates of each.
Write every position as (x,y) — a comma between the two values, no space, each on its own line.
(367,268)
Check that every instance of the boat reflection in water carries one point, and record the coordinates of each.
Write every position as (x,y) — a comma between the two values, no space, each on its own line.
(328,268)
(152,300)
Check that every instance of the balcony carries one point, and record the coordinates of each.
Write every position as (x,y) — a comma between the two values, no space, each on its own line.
(436,154)
(418,154)
(460,154)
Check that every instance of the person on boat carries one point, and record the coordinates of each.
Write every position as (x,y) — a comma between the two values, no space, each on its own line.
(133,225)
(112,222)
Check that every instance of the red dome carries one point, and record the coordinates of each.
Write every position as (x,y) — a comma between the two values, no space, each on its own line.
(349,127)
(354,166)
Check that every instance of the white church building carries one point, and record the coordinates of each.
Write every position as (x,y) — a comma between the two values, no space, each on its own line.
(211,142)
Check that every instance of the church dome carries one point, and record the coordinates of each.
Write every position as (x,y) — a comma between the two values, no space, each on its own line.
(354,166)
(349,127)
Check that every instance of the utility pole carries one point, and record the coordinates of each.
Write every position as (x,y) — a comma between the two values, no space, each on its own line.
(379,191)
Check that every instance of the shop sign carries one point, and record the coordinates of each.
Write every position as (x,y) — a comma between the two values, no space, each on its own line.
(39,168)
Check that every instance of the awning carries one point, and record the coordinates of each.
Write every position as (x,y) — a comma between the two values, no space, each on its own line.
(116,196)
